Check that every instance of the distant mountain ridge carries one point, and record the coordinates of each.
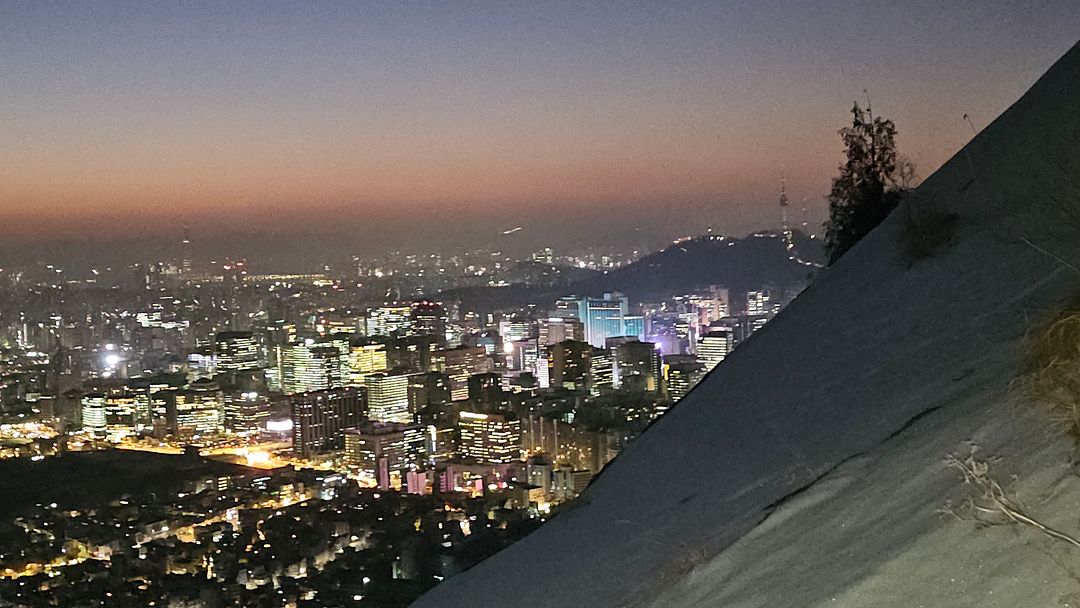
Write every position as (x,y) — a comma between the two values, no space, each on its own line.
(750,262)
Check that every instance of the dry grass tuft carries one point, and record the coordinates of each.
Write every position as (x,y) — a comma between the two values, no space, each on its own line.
(1051,358)
(990,504)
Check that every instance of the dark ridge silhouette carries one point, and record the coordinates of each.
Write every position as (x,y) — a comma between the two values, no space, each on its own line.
(740,264)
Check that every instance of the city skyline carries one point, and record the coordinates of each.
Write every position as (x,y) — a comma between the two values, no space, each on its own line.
(369,126)
(354,305)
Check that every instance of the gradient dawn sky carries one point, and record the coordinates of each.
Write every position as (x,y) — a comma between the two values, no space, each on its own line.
(405,123)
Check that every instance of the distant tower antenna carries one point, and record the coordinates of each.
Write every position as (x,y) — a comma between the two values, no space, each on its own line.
(784,227)
(185,244)
(805,223)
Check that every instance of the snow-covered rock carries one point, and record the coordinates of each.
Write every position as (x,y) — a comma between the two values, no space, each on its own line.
(808,469)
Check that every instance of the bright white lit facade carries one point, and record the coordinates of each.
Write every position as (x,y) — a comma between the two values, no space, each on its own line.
(364,360)
(310,366)
(388,398)
(489,438)
(714,347)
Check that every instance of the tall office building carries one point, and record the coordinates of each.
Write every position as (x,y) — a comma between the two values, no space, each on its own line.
(391,320)
(115,411)
(320,418)
(462,362)
(428,319)
(601,371)
(558,329)
(686,331)
(197,410)
(237,351)
(569,364)
(542,370)
(246,412)
(567,307)
(489,438)
(93,414)
(385,451)
(311,366)
(512,330)
(603,318)
(713,347)
(365,359)
(637,366)
(634,326)
(521,354)
(715,306)
(485,391)
(682,373)
(441,444)
(759,302)
(432,388)
(415,353)
(388,398)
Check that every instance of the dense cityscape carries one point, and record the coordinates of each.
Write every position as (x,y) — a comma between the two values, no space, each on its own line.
(683,304)
(235,437)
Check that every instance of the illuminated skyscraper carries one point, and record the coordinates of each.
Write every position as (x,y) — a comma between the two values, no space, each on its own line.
(515,329)
(713,347)
(385,451)
(116,411)
(391,320)
(715,306)
(543,370)
(557,329)
(521,355)
(567,307)
(196,411)
(489,438)
(601,371)
(246,412)
(634,326)
(758,302)
(237,351)
(388,398)
(366,359)
(604,318)
(682,373)
(311,366)
(462,362)
(93,414)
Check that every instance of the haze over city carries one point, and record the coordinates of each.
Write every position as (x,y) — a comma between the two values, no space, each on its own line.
(367,125)
(650,304)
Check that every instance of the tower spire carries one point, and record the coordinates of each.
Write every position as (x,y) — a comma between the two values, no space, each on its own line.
(784,227)
(185,246)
